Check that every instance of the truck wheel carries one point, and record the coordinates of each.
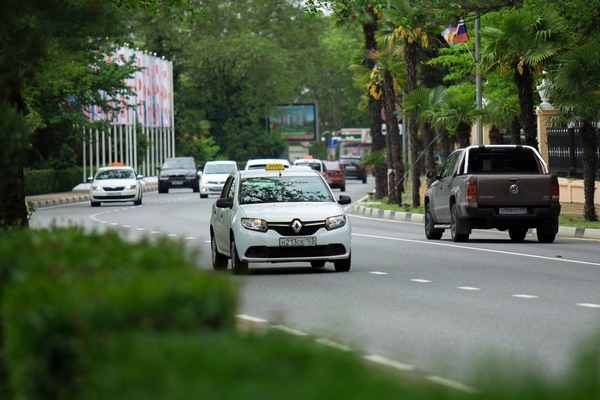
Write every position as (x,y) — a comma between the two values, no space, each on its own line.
(517,234)
(546,237)
(430,232)
(456,225)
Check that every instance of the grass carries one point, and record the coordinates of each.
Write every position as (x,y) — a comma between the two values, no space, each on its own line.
(571,220)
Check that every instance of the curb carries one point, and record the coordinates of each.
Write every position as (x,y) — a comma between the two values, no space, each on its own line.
(355,209)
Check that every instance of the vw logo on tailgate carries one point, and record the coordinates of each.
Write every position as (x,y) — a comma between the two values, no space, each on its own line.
(514,189)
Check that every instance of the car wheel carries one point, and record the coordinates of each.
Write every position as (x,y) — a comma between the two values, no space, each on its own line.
(455,225)
(546,237)
(517,234)
(203,196)
(95,204)
(317,264)
(238,266)
(431,233)
(343,188)
(219,261)
(138,202)
(163,189)
(196,187)
(343,265)
(364,179)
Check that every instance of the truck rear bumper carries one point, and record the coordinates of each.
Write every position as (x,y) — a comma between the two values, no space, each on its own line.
(490,217)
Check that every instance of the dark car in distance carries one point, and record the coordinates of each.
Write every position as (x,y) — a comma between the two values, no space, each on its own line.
(353,168)
(178,172)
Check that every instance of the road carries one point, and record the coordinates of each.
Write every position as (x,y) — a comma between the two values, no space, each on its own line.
(436,306)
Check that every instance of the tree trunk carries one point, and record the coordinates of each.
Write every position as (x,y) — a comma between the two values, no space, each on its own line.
(515,131)
(410,51)
(389,101)
(587,133)
(463,134)
(445,148)
(524,84)
(495,135)
(378,140)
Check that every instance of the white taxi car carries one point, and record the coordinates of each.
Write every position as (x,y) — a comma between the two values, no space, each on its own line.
(115,185)
(279,215)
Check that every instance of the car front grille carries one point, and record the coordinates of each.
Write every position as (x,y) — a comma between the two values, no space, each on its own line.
(296,252)
(177,177)
(308,228)
(113,189)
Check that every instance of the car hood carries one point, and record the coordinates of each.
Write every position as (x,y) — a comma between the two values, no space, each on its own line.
(215,177)
(289,211)
(177,171)
(115,182)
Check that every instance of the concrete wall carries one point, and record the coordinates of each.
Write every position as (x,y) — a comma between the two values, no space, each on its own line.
(571,191)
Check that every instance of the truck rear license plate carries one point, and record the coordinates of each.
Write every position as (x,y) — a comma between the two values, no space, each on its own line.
(513,210)
(298,242)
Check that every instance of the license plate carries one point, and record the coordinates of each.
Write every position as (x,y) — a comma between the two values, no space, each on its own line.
(513,210)
(176,183)
(298,242)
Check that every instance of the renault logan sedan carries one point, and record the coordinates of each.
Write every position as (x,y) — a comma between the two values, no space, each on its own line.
(279,215)
(116,185)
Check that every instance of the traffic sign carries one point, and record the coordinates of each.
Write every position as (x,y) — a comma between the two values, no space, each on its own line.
(332,143)
(398,114)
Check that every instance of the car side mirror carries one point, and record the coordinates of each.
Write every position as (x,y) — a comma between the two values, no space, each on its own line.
(224,203)
(90,178)
(140,176)
(344,199)
(158,168)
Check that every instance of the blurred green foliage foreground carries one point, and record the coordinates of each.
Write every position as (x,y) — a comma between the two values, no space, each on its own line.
(92,316)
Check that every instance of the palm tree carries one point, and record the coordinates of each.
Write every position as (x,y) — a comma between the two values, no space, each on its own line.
(404,22)
(364,14)
(457,114)
(499,114)
(522,44)
(576,77)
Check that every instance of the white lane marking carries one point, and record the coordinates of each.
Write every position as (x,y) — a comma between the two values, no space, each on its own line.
(126,226)
(378,273)
(251,318)
(421,280)
(467,288)
(140,229)
(155,232)
(333,344)
(172,234)
(589,305)
(389,363)
(478,249)
(114,223)
(289,330)
(189,238)
(104,222)
(451,384)
(525,296)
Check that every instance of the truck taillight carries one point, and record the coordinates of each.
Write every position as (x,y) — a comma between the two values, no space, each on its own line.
(555,190)
(472,190)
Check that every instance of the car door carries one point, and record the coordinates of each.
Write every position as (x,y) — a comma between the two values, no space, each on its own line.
(442,189)
(223,216)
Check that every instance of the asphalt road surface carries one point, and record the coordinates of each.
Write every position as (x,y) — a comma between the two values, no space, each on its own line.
(438,307)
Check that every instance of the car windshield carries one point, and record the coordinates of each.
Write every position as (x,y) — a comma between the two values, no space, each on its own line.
(221,168)
(115,174)
(314,165)
(179,163)
(283,189)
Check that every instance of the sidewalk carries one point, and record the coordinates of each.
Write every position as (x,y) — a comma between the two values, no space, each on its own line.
(362,208)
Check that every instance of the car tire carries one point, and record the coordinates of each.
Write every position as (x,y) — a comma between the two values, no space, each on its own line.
(517,234)
(343,188)
(219,261)
(163,189)
(343,265)
(238,266)
(364,179)
(95,204)
(317,264)
(431,233)
(456,225)
(203,196)
(546,237)
(196,187)
(138,202)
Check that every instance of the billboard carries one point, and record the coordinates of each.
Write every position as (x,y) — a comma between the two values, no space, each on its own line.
(297,122)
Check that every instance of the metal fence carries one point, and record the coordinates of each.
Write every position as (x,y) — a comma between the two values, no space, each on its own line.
(564,152)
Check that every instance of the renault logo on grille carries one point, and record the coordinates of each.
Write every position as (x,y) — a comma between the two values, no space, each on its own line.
(514,189)
(296,225)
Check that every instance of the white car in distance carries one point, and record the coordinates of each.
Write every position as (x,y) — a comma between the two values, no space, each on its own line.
(115,185)
(214,175)
(279,215)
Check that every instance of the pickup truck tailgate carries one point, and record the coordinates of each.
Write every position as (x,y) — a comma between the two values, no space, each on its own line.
(514,190)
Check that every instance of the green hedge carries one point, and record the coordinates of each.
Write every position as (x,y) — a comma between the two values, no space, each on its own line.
(51,181)
(69,289)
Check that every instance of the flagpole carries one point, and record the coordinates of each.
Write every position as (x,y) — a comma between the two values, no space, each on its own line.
(478,89)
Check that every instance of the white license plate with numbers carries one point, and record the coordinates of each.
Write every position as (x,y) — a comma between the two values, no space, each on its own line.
(298,242)
(513,210)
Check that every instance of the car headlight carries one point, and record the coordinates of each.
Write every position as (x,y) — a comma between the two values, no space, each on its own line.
(97,188)
(193,176)
(335,222)
(129,187)
(255,224)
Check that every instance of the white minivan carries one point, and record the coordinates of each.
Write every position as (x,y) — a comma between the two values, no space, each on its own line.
(214,175)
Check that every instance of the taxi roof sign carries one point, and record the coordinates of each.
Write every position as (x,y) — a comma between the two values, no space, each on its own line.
(274,167)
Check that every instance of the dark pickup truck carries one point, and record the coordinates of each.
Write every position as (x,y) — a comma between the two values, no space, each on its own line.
(506,187)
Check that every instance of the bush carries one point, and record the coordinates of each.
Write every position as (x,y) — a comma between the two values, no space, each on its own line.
(51,181)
